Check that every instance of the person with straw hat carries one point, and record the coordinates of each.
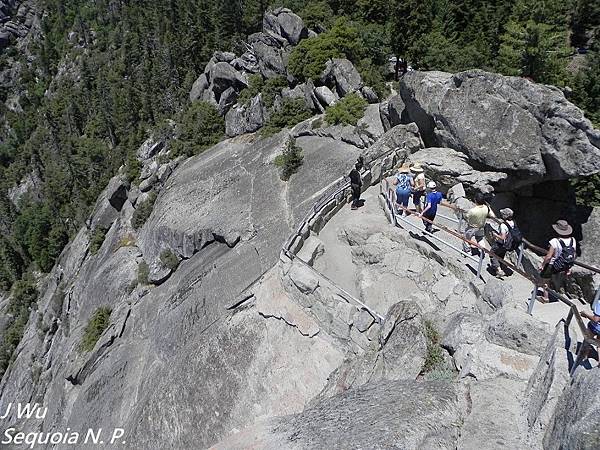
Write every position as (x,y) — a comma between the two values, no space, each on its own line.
(419,185)
(560,257)
(404,184)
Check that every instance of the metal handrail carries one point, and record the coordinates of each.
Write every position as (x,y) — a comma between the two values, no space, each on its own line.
(462,238)
(360,305)
(325,198)
(588,337)
(539,250)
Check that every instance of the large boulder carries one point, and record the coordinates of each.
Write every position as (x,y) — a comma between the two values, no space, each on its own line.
(270,56)
(510,124)
(249,118)
(512,327)
(198,88)
(449,167)
(116,192)
(223,76)
(283,22)
(392,112)
(341,74)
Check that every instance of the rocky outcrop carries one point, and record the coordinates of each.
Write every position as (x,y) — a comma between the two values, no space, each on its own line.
(17,18)
(226,75)
(267,55)
(341,76)
(29,186)
(403,414)
(574,424)
(511,124)
(248,118)
(450,167)
(283,22)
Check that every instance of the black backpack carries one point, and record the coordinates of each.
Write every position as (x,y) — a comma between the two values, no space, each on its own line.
(514,238)
(567,257)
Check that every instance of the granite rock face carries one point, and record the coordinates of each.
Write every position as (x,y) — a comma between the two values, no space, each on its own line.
(402,414)
(506,124)
(575,423)
(168,350)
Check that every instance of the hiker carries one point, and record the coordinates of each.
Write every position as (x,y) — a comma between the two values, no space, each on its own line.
(559,259)
(433,199)
(404,184)
(476,218)
(594,316)
(356,184)
(507,239)
(419,186)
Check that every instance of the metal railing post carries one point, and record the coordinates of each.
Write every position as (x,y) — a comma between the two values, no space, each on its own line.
(520,257)
(532,300)
(480,265)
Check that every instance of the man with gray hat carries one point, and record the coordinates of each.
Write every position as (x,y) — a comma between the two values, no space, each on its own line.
(506,239)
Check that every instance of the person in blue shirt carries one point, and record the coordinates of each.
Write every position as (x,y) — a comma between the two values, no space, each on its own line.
(594,316)
(434,198)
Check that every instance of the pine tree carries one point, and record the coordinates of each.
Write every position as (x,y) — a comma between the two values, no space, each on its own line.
(533,50)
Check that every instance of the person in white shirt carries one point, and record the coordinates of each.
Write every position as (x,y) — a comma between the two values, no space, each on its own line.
(502,242)
(419,190)
(560,257)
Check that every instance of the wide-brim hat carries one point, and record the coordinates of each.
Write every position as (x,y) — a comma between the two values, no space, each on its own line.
(506,213)
(404,168)
(416,168)
(562,228)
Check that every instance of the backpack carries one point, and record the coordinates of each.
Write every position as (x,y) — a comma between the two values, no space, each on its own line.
(403,183)
(514,238)
(566,259)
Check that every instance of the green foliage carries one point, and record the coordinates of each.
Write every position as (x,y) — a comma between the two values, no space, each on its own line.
(586,88)
(272,89)
(533,50)
(94,329)
(143,211)
(585,21)
(308,59)
(24,295)
(587,190)
(291,112)
(11,264)
(434,358)
(97,239)
(410,21)
(290,160)
(317,15)
(41,233)
(199,128)
(133,168)
(269,89)
(255,86)
(169,259)
(349,110)
(143,273)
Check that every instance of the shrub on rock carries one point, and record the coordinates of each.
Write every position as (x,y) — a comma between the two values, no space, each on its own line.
(143,211)
(94,329)
(97,239)
(308,59)
(290,161)
(348,110)
(169,259)
(291,112)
